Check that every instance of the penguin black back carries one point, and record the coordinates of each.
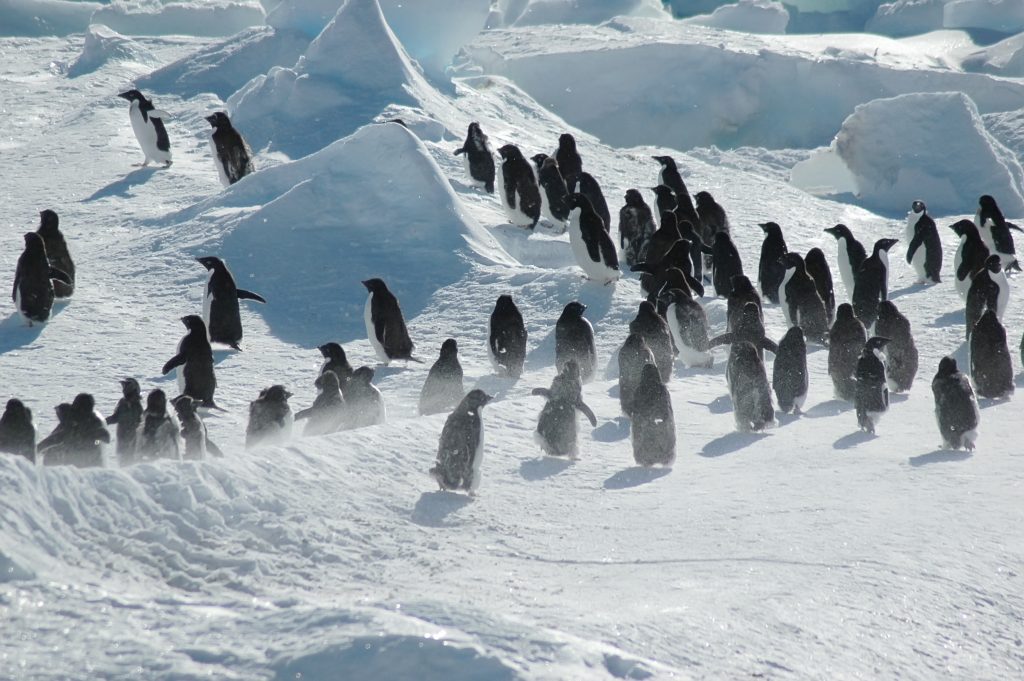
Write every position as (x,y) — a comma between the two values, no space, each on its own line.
(871,394)
(17,432)
(443,388)
(633,355)
(574,341)
(846,339)
(748,387)
(726,263)
(956,409)
(220,303)
(335,360)
(195,357)
(743,292)
(817,268)
(901,352)
(588,186)
(520,193)
(507,339)
(769,268)
(57,252)
(653,427)
(127,415)
(636,226)
(789,372)
(654,330)
(460,448)
(569,161)
(991,366)
(478,157)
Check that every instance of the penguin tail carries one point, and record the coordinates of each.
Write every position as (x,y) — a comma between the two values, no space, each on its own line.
(1015,265)
(412,358)
(210,404)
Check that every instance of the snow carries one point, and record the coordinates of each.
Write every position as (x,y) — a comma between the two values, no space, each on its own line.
(538,12)
(907,17)
(45,17)
(752,16)
(1005,58)
(102,45)
(1004,16)
(206,18)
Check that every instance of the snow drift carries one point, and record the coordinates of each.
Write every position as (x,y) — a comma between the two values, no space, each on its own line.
(753,16)
(102,45)
(44,17)
(208,18)
(1005,58)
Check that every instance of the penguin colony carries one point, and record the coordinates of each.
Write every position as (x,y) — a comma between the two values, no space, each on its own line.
(677,246)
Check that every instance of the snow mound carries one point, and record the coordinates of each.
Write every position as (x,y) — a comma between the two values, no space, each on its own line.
(907,17)
(1005,58)
(207,18)
(933,146)
(537,12)
(432,31)
(305,16)
(102,45)
(752,16)
(44,17)
(1004,16)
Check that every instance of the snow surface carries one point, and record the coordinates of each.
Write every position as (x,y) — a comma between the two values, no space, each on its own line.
(752,16)
(808,551)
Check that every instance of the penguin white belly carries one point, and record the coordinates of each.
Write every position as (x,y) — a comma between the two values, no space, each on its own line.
(478,459)
(596,271)
(371,333)
(874,417)
(799,400)
(845,269)
(917,262)
(218,162)
(207,304)
(909,225)
(691,357)
(884,257)
(986,235)
(962,286)
(145,133)
(784,299)
(1004,293)
(181,372)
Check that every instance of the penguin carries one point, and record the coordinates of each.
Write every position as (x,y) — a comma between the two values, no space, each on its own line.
(688,324)
(654,330)
(196,377)
(850,257)
(556,431)
(57,252)
(924,248)
(956,409)
(748,329)
(653,425)
(127,416)
(664,201)
(989,290)
(991,367)
(971,255)
(871,394)
(53,449)
(661,241)
(817,267)
(506,342)
(520,196)
(443,388)
(995,232)
(385,325)
(591,245)
(711,215)
(588,186)
(672,278)
(478,158)
(328,411)
(901,352)
(698,249)
(769,268)
(460,450)
(743,292)
(569,162)
(726,263)
(193,431)
(336,361)
(158,433)
(801,304)
(364,404)
(789,373)
(231,155)
(669,176)
(748,387)
(555,201)
(17,432)
(633,356)
(871,282)
(653,279)
(636,226)
(79,436)
(33,286)
(270,418)
(220,303)
(846,338)
(148,125)
(574,341)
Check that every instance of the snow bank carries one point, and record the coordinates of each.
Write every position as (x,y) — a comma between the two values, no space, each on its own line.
(1005,16)
(1005,58)
(44,17)
(907,17)
(305,16)
(933,146)
(537,12)
(102,45)
(206,18)
(432,31)
(752,16)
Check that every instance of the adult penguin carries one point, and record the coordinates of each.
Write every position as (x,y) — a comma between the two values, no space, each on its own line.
(850,257)
(460,451)
(158,433)
(995,232)
(871,282)
(654,330)
(196,377)
(555,200)
(270,418)
(232,156)
(688,324)
(385,325)
(871,395)
(148,126)
(817,267)
(33,286)
(636,226)
(220,303)
(633,356)
(670,176)
(770,269)
(989,290)
(726,264)
(956,409)
(520,195)
(506,342)
(477,157)
(127,416)
(653,279)
(335,360)
(574,341)
(57,252)
(591,244)
(801,304)
(664,201)
(743,292)
(748,388)
(17,432)
(569,162)
(991,367)
(662,240)
(970,256)
(53,449)
(698,249)
(846,339)
(443,388)
(901,352)
(789,373)
(588,186)
(556,431)
(711,215)
(327,414)
(924,248)
(748,329)
(364,405)
(653,426)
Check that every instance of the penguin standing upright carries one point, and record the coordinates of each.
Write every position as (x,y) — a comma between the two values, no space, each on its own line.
(665,202)
(364,405)
(220,303)
(871,395)
(688,324)
(726,264)
(970,256)
(995,232)
(748,329)
(57,252)
(654,330)
(506,342)
(158,433)
(698,249)
(636,226)
(231,155)
(33,286)
(817,267)
(385,325)
(846,339)
(653,424)
(193,431)
(850,257)
(588,186)
(17,432)
(789,373)
(569,162)
(743,292)
(196,377)
(989,290)
(991,367)
(769,268)
(661,241)
(477,156)
(148,126)
(443,388)
(79,437)
(633,355)
(270,418)
(127,416)
(556,431)
(924,248)
(748,387)
(956,409)
(328,411)
(901,352)
(555,200)
(711,215)
(335,360)
(670,176)
(520,195)
(653,279)
(801,304)
(460,451)
(574,341)
(871,282)
(591,245)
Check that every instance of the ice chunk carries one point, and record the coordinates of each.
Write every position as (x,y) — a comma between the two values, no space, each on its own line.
(1005,16)
(206,18)
(102,45)
(907,17)
(44,17)
(752,16)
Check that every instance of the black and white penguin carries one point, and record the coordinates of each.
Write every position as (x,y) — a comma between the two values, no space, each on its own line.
(231,155)
(688,324)
(672,278)
(846,339)
(661,241)
(871,395)
(33,286)
(654,330)
(591,245)
(385,325)
(443,388)
(670,176)
(698,249)
(574,341)
(79,437)
(520,195)
(158,433)
(769,268)
(127,416)
(653,424)
(148,125)
(460,451)
(991,366)
(52,450)
(270,418)
(789,373)
(850,257)
(328,411)
(555,200)
(196,377)
(364,405)
(956,409)
(743,292)
(725,263)
(654,279)
(569,162)
(748,387)
(711,214)
(588,186)
(335,360)
(971,255)
(636,226)
(477,156)
(556,431)
(817,267)
(665,202)
(801,304)
(633,356)
(871,282)
(17,432)
(995,232)
(924,248)
(748,329)
(901,352)
(57,252)
(989,290)
(220,303)
(193,431)
(506,342)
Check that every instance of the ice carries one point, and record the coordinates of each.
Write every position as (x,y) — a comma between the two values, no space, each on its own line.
(1004,16)
(752,16)
(102,45)
(537,12)
(45,17)
(907,17)
(1005,58)
(207,18)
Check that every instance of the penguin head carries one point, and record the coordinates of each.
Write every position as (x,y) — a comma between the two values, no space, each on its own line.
(475,132)
(987,204)
(988,325)
(219,120)
(83,404)
(646,309)
(275,393)
(17,411)
(184,406)
(132,96)
(876,344)
(794,335)
(887,311)
(918,207)
(741,284)
(362,375)
(510,152)
(665,194)
(885,244)
(48,223)
(649,374)
(994,264)
(840,231)
(571,370)
(210,262)
(194,322)
(566,142)
(947,367)
(156,401)
(750,312)
(844,312)
(504,303)
(791,261)
(772,228)
(63,412)
(375,285)
(475,399)
(665,161)
(449,349)
(574,309)
(634,198)
(332,350)
(328,381)
(130,387)
(964,228)
(704,199)
(538,160)
(34,244)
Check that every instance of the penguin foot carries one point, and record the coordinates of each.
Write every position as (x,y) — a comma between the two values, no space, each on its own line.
(167,164)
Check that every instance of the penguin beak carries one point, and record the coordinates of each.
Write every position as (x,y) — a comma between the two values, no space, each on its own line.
(211,119)
(124,95)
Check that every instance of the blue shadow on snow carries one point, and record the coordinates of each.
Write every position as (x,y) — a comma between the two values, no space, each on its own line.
(729,443)
(123,186)
(635,476)
(938,456)
(543,467)
(432,508)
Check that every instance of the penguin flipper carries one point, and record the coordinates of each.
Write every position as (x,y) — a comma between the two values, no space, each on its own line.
(541,392)
(769,345)
(176,361)
(724,339)
(17,280)
(915,243)
(303,414)
(643,268)
(60,275)
(587,411)
(249,295)
(695,285)
(460,150)
(1010,225)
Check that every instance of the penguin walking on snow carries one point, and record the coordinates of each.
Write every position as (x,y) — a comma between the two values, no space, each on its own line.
(924,248)
(956,409)
(569,162)
(846,339)
(591,244)
(336,361)
(555,200)
(556,431)
(991,367)
(574,341)
(270,418)
(443,388)
(520,196)
(901,352)
(220,303)
(197,444)
(770,269)
(158,433)
(148,126)
(127,416)
(871,282)
(33,281)
(231,155)
(989,290)
(506,341)
(995,232)
(80,435)
(57,252)
(871,395)
(789,373)
(460,451)
(636,226)
(851,256)
(327,414)
(801,304)
(654,330)
(653,425)
(970,256)
(477,156)
(748,387)
(817,267)
(17,432)
(633,356)
(385,325)
(196,377)
(688,324)
(364,405)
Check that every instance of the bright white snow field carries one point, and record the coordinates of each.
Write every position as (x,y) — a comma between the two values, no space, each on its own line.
(808,551)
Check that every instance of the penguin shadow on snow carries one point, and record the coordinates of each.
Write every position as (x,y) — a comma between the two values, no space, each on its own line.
(719,405)
(729,443)
(908,290)
(614,430)
(543,467)
(853,439)
(494,385)
(896,398)
(433,508)
(785,419)
(635,476)
(829,408)
(123,186)
(951,318)
(16,333)
(988,402)
(938,456)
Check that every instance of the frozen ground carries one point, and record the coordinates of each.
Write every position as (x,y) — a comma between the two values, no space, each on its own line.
(809,551)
